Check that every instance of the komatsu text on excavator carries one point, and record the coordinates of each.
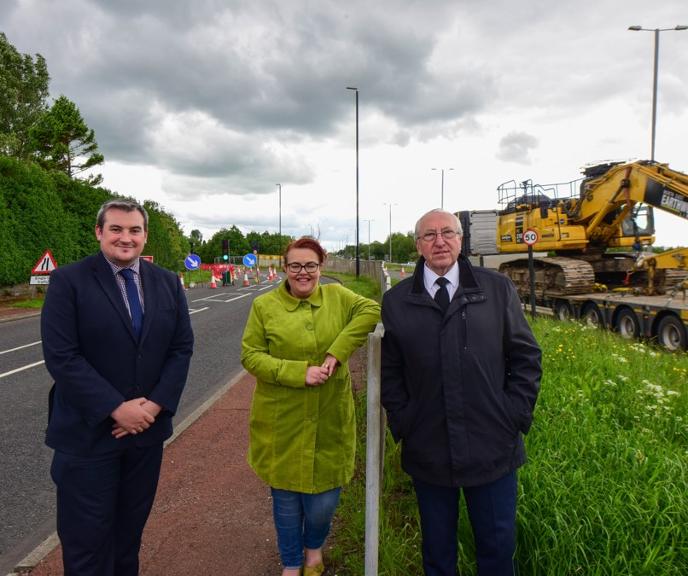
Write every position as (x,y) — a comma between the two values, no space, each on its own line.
(597,234)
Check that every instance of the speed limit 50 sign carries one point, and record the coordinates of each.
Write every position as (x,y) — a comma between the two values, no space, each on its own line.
(530,236)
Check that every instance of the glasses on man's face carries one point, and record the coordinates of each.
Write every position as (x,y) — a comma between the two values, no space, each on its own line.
(295,267)
(431,235)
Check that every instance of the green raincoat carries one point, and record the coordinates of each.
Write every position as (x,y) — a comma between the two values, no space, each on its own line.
(302,438)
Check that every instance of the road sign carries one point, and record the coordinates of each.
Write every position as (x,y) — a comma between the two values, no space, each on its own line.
(250,260)
(192,262)
(531,236)
(45,265)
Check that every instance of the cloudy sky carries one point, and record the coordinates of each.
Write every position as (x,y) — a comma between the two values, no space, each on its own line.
(205,105)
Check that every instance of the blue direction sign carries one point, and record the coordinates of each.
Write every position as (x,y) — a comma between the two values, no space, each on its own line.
(250,260)
(192,262)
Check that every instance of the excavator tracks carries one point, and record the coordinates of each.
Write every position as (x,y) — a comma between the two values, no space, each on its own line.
(553,276)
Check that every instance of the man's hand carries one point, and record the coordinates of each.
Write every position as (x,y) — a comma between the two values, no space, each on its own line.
(316,375)
(131,417)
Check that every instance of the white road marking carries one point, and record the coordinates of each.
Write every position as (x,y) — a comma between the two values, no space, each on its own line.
(19,347)
(198,310)
(22,368)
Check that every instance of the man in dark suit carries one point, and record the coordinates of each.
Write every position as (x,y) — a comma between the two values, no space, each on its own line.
(460,378)
(117,340)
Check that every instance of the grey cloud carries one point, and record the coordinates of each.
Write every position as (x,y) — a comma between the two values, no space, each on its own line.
(516,147)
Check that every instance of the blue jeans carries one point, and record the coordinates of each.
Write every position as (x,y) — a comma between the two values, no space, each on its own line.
(492,512)
(302,521)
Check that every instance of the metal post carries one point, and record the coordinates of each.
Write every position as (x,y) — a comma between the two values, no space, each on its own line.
(654,96)
(280,223)
(531,275)
(358,260)
(375,442)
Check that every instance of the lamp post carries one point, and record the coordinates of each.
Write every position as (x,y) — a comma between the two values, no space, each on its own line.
(358,261)
(442,188)
(390,228)
(368,221)
(654,79)
(279,186)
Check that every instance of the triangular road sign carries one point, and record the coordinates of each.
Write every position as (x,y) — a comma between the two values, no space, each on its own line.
(45,265)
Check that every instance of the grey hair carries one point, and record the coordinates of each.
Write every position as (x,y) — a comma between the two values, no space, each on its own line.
(125,206)
(458,228)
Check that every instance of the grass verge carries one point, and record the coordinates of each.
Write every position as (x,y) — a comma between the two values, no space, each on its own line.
(605,491)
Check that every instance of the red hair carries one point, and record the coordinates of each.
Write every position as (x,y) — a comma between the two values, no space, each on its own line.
(308,243)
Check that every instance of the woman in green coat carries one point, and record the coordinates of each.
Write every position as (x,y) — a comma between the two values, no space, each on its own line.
(297,342)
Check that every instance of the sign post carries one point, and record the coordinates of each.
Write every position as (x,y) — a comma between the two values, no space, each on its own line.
(530,237)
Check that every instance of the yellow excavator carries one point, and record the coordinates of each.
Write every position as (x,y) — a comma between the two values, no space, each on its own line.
(597,231)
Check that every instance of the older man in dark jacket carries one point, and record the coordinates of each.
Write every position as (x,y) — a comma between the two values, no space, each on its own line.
(460,376)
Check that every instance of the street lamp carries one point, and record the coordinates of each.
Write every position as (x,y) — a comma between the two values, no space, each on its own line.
(358,261)
(390,228)
(654,79)
(442,189)
(368,221)
(280,221)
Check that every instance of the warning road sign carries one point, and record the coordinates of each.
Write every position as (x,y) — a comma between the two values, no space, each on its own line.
(45,265)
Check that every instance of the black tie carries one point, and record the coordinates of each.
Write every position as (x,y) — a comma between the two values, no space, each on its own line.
(442,294)
(133,299)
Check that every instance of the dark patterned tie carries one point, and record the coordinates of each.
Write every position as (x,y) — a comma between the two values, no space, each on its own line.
(133,299)
(442,294)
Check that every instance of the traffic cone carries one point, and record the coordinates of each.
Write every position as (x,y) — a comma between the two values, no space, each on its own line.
(402,273)
(181,279)
(246,279)
(213,284)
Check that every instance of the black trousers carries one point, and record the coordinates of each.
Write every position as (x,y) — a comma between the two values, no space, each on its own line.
(492,512)
(103,503)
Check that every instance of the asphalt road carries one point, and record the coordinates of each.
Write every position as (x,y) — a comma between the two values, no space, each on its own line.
(27,500)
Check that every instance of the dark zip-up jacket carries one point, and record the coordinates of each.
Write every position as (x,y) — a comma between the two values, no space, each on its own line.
(459,388)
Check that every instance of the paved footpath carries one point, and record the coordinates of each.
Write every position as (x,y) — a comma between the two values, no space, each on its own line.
(212,515)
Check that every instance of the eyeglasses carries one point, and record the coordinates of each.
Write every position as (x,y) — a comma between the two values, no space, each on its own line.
(432,236)
(295,267)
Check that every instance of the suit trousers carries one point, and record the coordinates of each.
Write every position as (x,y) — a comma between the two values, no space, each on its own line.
(103,502)
(492,513)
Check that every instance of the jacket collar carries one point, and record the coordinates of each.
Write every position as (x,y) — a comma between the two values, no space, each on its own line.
(467,279)
(291,303)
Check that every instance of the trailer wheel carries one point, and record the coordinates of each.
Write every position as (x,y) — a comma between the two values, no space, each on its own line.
(562,310)
(671,334)
(627,324)
(591,316)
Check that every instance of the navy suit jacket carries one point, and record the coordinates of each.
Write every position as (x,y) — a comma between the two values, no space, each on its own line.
(92,354)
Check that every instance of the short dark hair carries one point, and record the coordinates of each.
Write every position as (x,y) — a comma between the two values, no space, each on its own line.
(125,206)
(309,243)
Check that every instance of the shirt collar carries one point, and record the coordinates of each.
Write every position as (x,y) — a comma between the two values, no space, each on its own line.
(452,275)
(135,265)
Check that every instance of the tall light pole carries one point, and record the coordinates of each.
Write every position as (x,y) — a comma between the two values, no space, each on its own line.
(654,78)
(368,221)
(442,188)
(279,186)
(358,260)
(390,228)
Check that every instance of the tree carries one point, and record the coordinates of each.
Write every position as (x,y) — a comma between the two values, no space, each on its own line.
(195,240)
(61,140)
(23,97)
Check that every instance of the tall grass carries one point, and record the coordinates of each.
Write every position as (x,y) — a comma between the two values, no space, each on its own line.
(605,491)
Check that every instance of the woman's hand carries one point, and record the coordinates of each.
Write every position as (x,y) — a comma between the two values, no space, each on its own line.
(316,375)
(330,364)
